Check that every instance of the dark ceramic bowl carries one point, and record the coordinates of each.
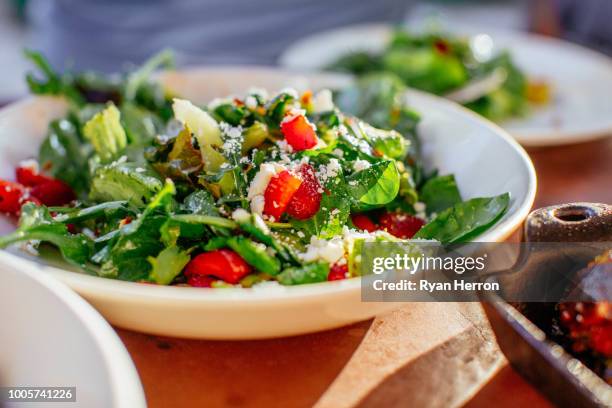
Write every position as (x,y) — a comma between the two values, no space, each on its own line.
(521,328)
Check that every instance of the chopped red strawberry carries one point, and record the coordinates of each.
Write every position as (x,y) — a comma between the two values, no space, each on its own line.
(401,225)
(279,192)
(53,192)
(442,46)
(224,264)
(28,175)
(299,133)
(200,281)
(338,272)
(307,199)
(363,222)
(11,197)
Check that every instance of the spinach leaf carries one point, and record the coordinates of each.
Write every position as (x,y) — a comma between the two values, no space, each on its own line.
(200,202)
(440,193)
(64,156)
(37,224)
(465,220)
(128,252)
(124,182)
(309,273)
(377,185)
(255,255)
(168,264)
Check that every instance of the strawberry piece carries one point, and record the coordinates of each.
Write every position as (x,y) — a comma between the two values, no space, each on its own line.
(401,225)
(307,199)
(29,176)
(224,264)
(12,196)
(200,281)
(279,192)
(363,222)
(337,272)
(53,192)
(298,132)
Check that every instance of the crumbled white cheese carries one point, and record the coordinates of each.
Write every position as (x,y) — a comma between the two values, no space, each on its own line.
(259,223)
(361,165)
(329,171)
(420,208)
(338,152)
(290,91)
(262,178)
(262,93)
(320,249)
(250,102)
(240,215)
(258,203)
(322,101)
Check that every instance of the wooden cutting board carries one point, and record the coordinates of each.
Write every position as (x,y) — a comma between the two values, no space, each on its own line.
(423,354)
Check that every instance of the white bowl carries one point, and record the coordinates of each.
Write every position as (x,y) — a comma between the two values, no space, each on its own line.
(485,160)
(53,338)
(581,79)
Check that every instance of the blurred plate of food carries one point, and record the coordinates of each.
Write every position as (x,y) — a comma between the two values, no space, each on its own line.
(543,91)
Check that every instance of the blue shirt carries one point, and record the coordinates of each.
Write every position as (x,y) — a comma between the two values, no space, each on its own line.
(103,35)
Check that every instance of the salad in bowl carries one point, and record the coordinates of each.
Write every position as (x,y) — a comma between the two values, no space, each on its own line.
(137,184)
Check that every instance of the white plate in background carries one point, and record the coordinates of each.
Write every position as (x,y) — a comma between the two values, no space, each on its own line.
(581,79)
(50,337)
(485,160)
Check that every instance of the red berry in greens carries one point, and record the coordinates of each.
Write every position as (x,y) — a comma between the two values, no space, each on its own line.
(307,199)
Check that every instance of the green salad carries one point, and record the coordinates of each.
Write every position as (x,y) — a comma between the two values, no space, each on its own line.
(454,67)
(140,185)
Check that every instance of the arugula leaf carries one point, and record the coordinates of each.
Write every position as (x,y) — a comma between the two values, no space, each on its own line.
(377,185)
(127,254)
(440,193)
(309,273)
(64,156)
(200,202)
(37,224)
(255,255)
(105,133)
(124,182)
(184,160)
(141,125)
(109,209)
(168,264)
(52,83)
(465,220)
(139,77)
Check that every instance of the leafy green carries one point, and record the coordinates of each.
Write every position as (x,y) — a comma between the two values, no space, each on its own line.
(129,251)
(309,273)
(465,220)
(255,255)
(440,193)
(377,185)
(105,133)
(168,264)
(52,83)
(37,224)
(64,155)
(124,182)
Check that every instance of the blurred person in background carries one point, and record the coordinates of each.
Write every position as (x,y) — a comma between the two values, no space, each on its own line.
(586,22)
(103,35)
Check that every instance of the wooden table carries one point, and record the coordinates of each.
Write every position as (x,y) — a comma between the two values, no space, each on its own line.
(294,372)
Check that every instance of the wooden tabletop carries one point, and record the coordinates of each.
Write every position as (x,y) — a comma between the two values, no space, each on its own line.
(294,372)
